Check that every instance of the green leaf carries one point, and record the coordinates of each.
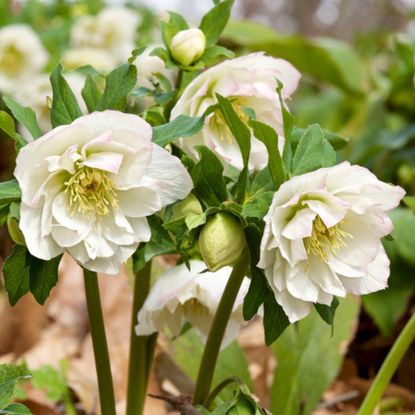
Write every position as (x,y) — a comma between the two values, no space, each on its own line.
(16,274)
(309,358)
(43,277)
(65,107)
(187,351)
(182,126)
(25,115)
(256,295)
(51,380)
(410,202)
(10,192)
(238,128)
(404,233)
(214,21)
(275,320)
(336,141)
(159,244)
(7,124)
(16,409)
(257,205)
(207,175)
(269,137)
(313,151)
(327,312)
(91,93)
(10,375)
(212,53)
(175,24)
(118,84)
(328,60)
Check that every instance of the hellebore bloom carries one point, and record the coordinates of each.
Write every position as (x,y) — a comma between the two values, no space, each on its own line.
(87,188)
(181,296)
(22,55)
(250,81)
(323,235)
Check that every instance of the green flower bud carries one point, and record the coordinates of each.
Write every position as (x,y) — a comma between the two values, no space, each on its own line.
(14,230)
(187,46)
(222,241)
(189,205)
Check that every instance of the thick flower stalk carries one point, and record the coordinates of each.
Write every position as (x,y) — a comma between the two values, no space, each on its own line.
(87,188)
(192,296)
(322,237)
(250,82)
(22,55)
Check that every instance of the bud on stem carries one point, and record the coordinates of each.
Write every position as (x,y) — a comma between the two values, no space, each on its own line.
(187,46)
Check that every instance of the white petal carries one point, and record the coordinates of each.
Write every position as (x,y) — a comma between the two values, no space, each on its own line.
(139,202)
(106,161)
(301,225)
(294,308)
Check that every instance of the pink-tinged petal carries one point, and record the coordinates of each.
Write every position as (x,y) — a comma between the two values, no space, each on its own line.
(377,275)
(106,161)
(171,180)
(43,247)
(139,201)
(101,122)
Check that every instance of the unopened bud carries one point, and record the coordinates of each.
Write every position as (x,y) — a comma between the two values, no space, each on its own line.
(14,230)
(187,46)
(189,205)
(222,241)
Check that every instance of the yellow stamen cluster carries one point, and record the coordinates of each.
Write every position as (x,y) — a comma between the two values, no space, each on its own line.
(90,190)
(324,240)
(11,59)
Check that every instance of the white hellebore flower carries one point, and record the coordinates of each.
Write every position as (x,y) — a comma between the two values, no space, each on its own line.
(87,188)
(181,296)
(35,93)
(323,235)
(187,46)
(113,29)
(22,55)
(250,81)
(100,59)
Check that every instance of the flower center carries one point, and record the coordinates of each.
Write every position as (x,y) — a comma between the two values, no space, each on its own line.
(11,59)
(324,240)
(221,126)
(90,190)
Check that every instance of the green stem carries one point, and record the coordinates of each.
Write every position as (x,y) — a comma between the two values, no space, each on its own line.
(388,368)
(138,369)
(99,342)
(217,331)
(218,389)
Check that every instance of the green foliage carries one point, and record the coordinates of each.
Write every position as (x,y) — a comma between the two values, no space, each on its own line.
(275,320)
(65,108)
(327,312)
(9,192)
(24,272)
(16,409)
(309,357)
(10,376)
(118,84)
(91,93)
(24,115)
(313,151)
(215,20)
(187,351)
(52,381)
(327,60)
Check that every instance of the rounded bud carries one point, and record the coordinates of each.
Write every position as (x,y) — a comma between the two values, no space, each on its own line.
(187,46)
(14,230)
(189,205)
(222,241)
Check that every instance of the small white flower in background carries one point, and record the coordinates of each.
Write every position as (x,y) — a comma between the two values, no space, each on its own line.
(87,188)
(100,59)
(323,235)
(22,55)
(187,46)
(36,92)
(148,65)
(113,29)
(251,81)
(180,296)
